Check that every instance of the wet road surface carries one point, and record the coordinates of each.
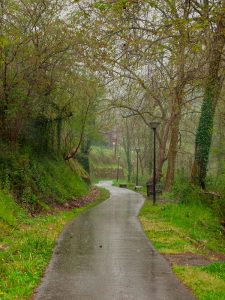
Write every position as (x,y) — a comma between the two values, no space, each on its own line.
(103,255)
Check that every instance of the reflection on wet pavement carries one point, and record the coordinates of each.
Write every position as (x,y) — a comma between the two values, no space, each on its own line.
(103,254)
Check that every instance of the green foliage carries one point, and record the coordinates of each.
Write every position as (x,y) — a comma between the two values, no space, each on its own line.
(103,163)
(184,191)
(61,181)
(101,5)
(187,193)
(38,134)
(117,5)
(102,156)
(39,181)
(216,185)
(28,196)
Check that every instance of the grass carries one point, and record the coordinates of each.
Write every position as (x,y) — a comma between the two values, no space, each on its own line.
(180,228)
(26,245)
(62,181)
(123,181)
(10,212)
(206,285)
(104,163)
(191,226)
(130,185)
(102,158)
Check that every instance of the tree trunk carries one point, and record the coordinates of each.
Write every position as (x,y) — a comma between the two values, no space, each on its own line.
(210,99)
(127,148)
(74,150)
(59,132)
(172,153)
(83,156)
(204,133)
(161,155)
(4,103)
(177,100)
(220,152)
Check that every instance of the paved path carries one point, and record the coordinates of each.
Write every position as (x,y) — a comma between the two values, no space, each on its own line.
(104,255)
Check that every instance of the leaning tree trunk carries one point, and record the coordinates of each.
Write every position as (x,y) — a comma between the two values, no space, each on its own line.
(210,99)
(127,149)
(172,153)
(177,99)
(59,132)
(4,104)
(162,152)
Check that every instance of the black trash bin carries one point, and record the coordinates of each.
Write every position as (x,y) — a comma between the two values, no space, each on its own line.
(149,186)
(158,188)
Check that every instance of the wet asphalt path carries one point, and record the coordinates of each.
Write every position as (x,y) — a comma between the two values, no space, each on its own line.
(103,255)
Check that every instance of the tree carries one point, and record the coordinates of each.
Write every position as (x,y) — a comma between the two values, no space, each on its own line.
(212,90)
(151,45)
(42,78)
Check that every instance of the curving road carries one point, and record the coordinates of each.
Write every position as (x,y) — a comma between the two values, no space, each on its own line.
(103,255)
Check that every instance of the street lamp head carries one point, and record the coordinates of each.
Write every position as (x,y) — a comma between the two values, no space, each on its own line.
(154,124)
(137,149)
(118,157)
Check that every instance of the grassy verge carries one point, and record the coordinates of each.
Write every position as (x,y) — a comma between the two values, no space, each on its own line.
(186,228)
(208,283)
(131,186)
(26,245)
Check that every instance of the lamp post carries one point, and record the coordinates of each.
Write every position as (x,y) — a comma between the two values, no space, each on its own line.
(118,166)
(137,150)
(114,147)
(154,125)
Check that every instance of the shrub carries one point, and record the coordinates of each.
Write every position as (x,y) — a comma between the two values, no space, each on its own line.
(186,192)
(38,180)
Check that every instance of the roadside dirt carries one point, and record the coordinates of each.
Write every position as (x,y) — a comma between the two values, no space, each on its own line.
(78,202)
(70,204)
(192,259)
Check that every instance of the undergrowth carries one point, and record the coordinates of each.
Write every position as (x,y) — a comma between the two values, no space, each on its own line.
(104,164)
(38,181)
(213,197)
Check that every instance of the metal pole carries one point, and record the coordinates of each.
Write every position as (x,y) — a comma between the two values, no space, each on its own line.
(154,167)
(137,171)
(117,177)
(115,148)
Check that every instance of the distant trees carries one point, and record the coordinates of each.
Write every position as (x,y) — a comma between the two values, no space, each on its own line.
(164,50)
(152,60)
(46,93)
